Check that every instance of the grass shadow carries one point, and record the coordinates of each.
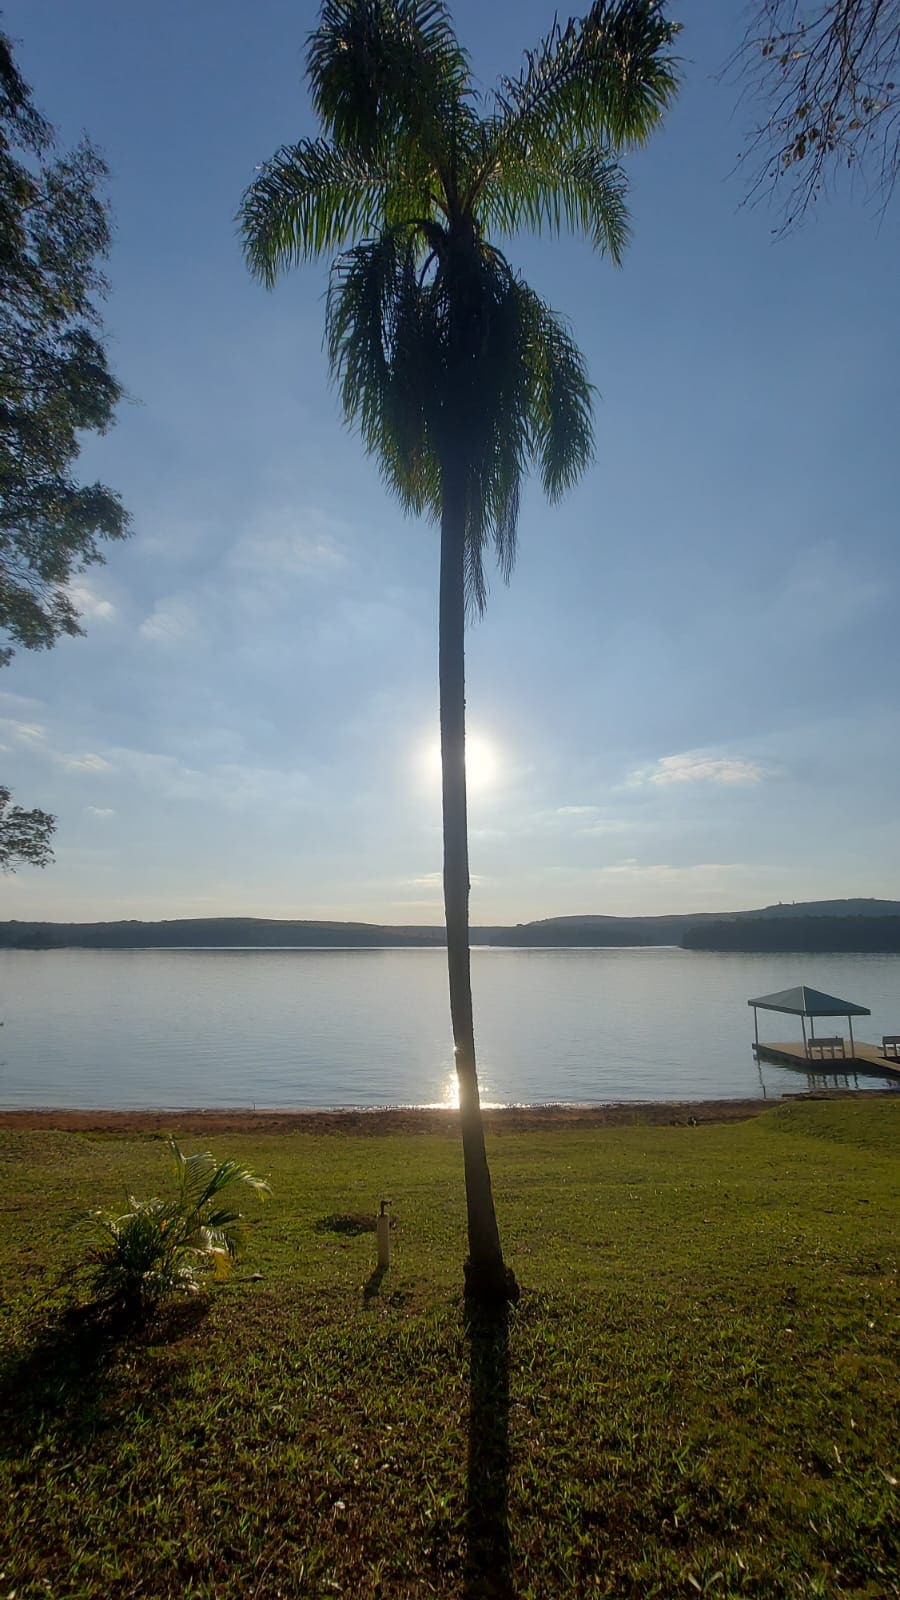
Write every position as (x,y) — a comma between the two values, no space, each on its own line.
(488,1574)
(69,1376)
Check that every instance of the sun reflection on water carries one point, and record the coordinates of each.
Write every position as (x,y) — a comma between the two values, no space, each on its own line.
(449,1094)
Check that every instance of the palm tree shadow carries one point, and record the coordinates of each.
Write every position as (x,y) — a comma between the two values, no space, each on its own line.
(488,1573)
(70,1376)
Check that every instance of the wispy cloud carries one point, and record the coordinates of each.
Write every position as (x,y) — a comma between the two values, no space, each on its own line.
(665,872)
(433,881)
(234,786)
(171,622)
(289,544)
(20,702)
(632,886)
(26,733)
(102,813)
(277,557)
(229,785)
(89,762)
(33,736)
(89,604)
(593,820)
(696,766)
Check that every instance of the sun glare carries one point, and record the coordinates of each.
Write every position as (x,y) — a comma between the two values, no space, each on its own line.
(450,1091)
(482,763)
(449,1100)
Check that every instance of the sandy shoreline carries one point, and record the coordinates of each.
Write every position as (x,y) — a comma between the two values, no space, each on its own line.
(399,1119)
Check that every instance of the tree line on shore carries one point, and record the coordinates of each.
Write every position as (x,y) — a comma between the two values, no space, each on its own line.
(744,932)
(787,934)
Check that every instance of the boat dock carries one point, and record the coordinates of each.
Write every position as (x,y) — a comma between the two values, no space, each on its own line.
(829,1055)
(866,1060)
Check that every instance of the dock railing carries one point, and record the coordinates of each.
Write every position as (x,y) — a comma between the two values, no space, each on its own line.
(833,1044)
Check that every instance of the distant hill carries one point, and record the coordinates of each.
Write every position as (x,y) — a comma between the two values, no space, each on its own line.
(824,924)
(210,932)
(705,930)
(829,932)
(790,908)
(827,908)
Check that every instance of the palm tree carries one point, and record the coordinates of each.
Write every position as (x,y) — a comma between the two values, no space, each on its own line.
(456,373)
(159,1248)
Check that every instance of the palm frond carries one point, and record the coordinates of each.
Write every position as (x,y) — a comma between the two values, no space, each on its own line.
(378,347)
(496,428)
(604,79)
(466,365)
(210,1240)
(533,406)
(200,1178)
(312,198)
(384,74)
(560,397)
(583,190)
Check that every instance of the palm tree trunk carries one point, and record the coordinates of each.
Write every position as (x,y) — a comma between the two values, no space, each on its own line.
(487,1277)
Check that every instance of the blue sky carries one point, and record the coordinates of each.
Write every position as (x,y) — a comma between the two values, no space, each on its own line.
(687,697)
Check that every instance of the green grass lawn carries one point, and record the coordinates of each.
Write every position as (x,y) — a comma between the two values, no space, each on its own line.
(696,1395)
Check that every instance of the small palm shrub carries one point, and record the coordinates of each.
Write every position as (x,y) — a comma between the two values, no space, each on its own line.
(159,1248)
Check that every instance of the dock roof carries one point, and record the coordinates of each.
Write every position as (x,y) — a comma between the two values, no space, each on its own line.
(806,1002)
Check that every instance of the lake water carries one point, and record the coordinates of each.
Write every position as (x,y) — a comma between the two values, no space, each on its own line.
(190,1028)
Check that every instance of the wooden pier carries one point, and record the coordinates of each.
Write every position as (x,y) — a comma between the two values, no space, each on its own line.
(866,1060)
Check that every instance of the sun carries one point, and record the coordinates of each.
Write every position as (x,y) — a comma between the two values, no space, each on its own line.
(483,763)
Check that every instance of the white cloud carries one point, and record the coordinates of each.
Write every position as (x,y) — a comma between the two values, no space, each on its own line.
(229,785)
(172,621)
(251,581)
(101,812)
(598,830)
(572,821)
(22,702)
(89,762)
(632,887)
(232,785)
(665,872)
(435,880)
(694,766)
(288,544)
(33,736)
(89,604)
(27,733)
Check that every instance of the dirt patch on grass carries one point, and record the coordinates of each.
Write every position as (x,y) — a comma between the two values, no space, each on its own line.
(509,1119)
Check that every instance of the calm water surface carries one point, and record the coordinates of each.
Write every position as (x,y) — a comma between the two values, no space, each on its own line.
(182,1028)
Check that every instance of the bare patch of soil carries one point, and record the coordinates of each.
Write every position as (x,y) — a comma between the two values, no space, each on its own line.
(411,1119)
(509,1119)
